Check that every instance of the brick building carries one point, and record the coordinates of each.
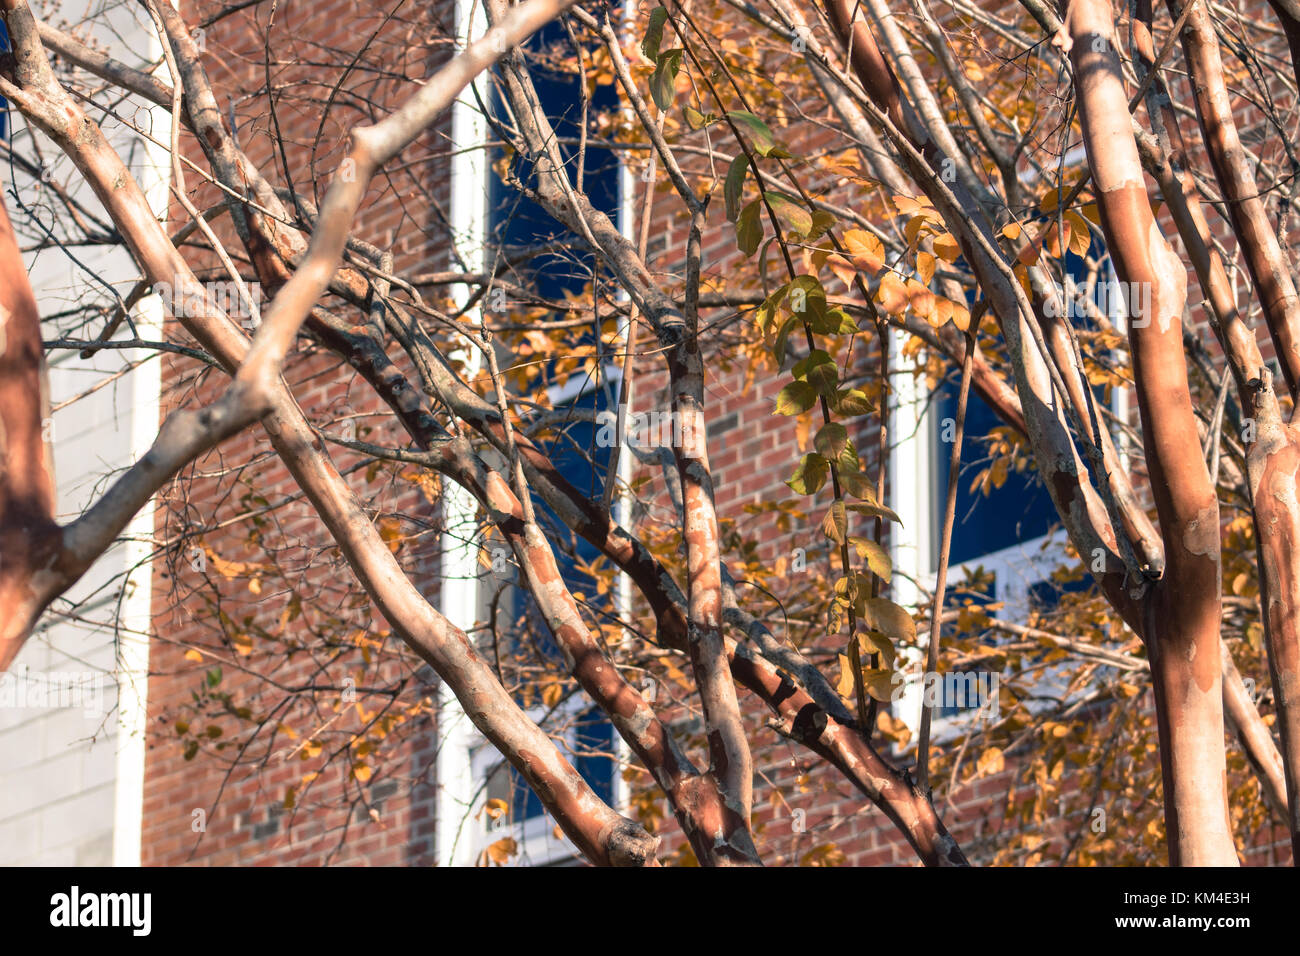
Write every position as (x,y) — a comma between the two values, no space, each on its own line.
(265,663)
(428,805)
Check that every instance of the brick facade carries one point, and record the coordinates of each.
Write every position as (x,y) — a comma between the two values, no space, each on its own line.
(390,819)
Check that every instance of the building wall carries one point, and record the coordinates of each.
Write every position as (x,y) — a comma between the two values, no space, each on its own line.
(224,804)
(70,775)
(752,453)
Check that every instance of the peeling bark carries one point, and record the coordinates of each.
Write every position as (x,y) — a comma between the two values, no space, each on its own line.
(1181,613)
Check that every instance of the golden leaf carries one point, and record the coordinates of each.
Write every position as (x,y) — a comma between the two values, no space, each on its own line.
(891,294)
(501,851)
(990,762)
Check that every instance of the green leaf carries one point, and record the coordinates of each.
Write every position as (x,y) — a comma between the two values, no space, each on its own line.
(857,484)
(819,371)
(761,140)
(814,358)
(836,523)
(749,230)
(661,82)
(811,474)
(214,677)
(834,322)
(795,399)
(831,440)
(848,460)
(794,216)
(807,300)
(821,222)
(782,337)
(734,187)
(766,312)
(877,558)
(852,401)
(654,34)
(695,119)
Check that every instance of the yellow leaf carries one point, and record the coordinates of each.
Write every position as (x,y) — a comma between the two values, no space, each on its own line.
(990,762)
(1080,237)
(892,728)
(960,316)
(390,529)
(889,619)
(880,683)
(925,266)
(193,655)
(942,312)
(552,693)
(867,251)
(846,685)
(873,642)
(908,206)
(921,298)
(501,851)
(947,248)
(891,294)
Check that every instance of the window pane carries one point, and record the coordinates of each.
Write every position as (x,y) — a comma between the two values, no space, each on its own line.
(1020,510)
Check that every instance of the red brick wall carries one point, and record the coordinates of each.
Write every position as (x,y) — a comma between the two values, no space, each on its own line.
(267,666)
(750,459)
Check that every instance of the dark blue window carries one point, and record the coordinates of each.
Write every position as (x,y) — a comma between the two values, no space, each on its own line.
(516,221)
(1021,509)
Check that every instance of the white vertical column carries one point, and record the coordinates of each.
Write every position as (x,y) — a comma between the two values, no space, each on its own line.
(136,619)
(459,570)
(911,492)
(623,595)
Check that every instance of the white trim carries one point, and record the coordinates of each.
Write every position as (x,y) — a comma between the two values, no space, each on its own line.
(579,385)
(136,616)
(135,628)
(457,793)
(623,593)
(910,486)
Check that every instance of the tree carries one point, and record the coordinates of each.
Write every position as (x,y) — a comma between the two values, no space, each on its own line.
(881,171)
